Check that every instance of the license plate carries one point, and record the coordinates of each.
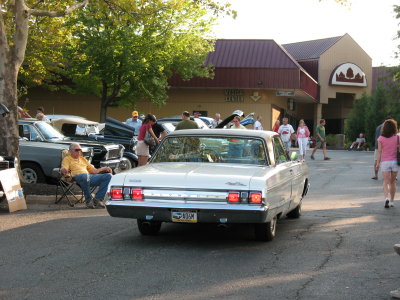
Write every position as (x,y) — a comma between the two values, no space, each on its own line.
(184,216)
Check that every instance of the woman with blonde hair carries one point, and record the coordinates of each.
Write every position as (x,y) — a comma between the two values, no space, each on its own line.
(388,145)
(302,138)
(276,126)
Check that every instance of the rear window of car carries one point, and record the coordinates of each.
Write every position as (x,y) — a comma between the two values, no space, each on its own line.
(237,150)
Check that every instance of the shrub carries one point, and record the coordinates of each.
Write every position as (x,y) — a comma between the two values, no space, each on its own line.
(331,140)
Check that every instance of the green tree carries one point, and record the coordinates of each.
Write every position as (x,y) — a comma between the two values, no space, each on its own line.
(378,107)
(356,118)
(128,54)
(16,17)
(368,112)
(36,29)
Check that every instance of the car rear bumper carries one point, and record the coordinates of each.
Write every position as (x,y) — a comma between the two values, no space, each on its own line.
(205,213)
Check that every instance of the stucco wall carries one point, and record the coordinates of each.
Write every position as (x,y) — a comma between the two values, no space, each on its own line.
(345,50)
(211,100)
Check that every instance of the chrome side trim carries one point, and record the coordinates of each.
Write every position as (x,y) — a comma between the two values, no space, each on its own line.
(186,205)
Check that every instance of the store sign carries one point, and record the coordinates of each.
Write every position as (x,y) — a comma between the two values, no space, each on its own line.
(285,93)
(234,95)
(348,74)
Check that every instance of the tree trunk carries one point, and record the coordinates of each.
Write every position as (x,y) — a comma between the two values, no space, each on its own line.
(9,138)
(103,111)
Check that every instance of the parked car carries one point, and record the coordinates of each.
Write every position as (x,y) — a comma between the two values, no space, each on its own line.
(213,176)
(207,120)
(38,159)
(247,120)
(114,132)
(105,155)
(175,120)
(54,117)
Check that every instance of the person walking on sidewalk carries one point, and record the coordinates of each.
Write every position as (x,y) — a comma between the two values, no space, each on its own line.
(388,145)
(286,132)
(302,138)
(320,140)
(378,131)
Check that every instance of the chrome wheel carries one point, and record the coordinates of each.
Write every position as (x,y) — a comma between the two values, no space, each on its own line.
(30,176)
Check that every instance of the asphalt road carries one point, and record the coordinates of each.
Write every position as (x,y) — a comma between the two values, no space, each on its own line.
(341,248)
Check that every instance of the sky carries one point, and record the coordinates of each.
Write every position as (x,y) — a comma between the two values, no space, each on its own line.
(371,23)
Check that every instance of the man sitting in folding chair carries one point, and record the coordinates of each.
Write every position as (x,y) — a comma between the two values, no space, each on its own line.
(86,175)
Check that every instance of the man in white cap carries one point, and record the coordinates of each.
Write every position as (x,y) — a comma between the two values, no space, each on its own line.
(134,122)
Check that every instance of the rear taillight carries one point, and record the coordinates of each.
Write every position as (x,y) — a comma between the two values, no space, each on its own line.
(116,193)
(233,197)
(137,194)
(255,198)
(245,197)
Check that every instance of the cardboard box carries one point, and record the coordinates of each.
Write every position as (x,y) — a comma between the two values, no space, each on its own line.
(12,188)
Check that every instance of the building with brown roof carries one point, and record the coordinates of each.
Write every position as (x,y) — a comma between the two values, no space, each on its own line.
(306,80)
(343,71)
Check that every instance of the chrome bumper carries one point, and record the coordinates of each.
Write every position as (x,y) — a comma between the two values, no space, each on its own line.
(112,163)
(206,213)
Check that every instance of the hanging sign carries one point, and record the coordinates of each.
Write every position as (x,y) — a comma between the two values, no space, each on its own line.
(285,93)
(348,74)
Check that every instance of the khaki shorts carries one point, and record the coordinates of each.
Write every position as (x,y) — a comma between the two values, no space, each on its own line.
(389,166)
(142,149)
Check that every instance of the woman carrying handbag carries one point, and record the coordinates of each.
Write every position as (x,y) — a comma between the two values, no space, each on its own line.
(146,138)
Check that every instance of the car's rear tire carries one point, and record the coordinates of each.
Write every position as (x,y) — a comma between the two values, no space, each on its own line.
(32,173)
(295,213)
(148,227)
(265,231)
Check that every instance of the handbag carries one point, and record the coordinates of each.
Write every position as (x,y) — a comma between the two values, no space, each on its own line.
(398,153)
(148,139)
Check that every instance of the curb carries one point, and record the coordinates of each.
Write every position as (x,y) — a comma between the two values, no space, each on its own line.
(40,199)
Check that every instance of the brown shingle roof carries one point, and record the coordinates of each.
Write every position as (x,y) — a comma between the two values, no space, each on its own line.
(261,64)
(250,54)
(310,49)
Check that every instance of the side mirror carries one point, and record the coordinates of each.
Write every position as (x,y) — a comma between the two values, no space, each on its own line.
(3,110)
(294,156)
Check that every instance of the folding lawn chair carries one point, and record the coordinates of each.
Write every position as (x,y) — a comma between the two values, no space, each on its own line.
(66,187)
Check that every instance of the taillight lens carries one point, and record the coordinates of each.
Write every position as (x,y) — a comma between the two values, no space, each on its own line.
(233,197)
(116,193)
(255,198)
(137,194)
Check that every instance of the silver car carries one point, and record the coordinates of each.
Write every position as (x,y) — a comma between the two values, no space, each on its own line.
(213,176)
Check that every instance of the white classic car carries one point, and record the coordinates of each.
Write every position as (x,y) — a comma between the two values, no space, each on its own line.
(212,176)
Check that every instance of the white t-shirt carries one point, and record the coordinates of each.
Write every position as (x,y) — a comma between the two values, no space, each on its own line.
(258,125)
(286,132)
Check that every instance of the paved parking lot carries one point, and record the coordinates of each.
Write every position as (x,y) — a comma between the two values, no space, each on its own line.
(341,248)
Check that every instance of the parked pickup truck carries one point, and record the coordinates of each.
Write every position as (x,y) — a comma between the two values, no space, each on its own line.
(105,155)
(38,159)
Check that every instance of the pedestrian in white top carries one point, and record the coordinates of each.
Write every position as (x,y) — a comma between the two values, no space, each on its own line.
(286,131)
(217,120)
(257,124)
(302,138)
